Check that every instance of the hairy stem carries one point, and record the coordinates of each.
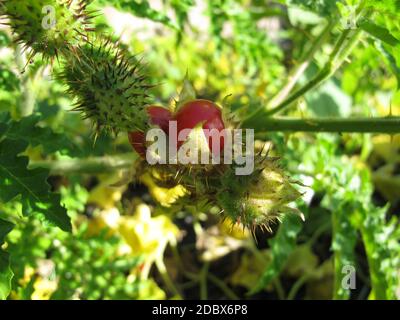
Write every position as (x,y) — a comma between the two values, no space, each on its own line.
(90,165)
(390,125)
(344,46)
(299,70)
(28,98)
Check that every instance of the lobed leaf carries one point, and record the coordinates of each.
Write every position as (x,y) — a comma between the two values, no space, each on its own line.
(30,185)
(6,273)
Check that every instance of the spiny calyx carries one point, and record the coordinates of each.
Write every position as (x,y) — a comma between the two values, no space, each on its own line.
(258,199)
(109,87)
(49,27)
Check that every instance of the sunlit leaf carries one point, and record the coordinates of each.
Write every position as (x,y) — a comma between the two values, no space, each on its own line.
(30,185)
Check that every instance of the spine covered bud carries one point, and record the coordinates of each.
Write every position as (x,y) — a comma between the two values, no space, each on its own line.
(259,199)
(109,87)
(48,27)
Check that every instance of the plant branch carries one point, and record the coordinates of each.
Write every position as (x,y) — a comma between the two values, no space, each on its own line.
(89,165)
(95,165)
(203,281)
(28,97)
(390,125)
(299,70)
(166,278)
(297,286)
(224,288)
(344,46)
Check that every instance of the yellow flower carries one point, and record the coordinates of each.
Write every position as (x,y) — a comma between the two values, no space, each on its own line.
(43,289)
(149,290)
(234,230)
(106,219)
(147,235)
(104,195)
(165,196)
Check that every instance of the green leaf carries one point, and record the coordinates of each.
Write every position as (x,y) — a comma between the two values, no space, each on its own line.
(141,9)
(344,239)
(30,185)
(329,100)
(3,129)
(379,32)
(282,245)
(8,80)
(384,6)
(27,129)
(5,228)
(6,273)
(4,39)
(349,192)
(321,7)
(382,244)
(391,59)
(381,256)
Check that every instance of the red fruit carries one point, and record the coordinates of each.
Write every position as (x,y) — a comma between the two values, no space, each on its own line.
(194,112)
(137,141)
(159,116)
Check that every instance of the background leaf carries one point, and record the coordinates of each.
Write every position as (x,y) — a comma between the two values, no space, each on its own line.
(6,273)
(282,245)
(29,185)
(27,129)
(379,32)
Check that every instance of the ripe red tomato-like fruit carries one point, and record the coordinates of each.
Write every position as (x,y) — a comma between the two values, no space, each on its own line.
(197,111)
(159,116)
(137,140)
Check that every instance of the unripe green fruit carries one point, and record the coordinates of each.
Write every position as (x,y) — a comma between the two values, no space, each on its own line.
(109,87)
(49,27)
(259,199)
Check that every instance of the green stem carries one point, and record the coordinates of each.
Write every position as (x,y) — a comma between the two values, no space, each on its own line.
(167,280)
(299,70)
(297,286)
(389,125)
(219,283)
(203,281)
(224,288)
(28,98)
(89,165)
(96,165)
(319,78)
(280,291)
(344,46)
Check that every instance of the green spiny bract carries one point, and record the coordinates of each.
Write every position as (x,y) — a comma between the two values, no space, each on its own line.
(258,199)
(48,27)
(109,87)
